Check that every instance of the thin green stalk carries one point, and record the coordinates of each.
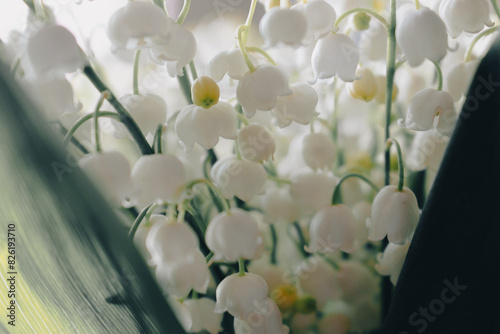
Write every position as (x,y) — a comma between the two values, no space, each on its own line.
(185,86)
(184,12)
(75,142)
(274,238)
(487,32)
(302,239)
(194,73)
(495,6)
(241,267)
(104,95)
(212,187)
(84,119)
(125,117)
(137,222)
(160,3)
(417,4)
(262,52)
(439,74)
(278,180)
(159,133)
(137,59)
(241,44)
(400,162)
(336,192)
(363,10)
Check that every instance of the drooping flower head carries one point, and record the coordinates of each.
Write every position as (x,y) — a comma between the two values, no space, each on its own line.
(299,106)
(465,15)
(318,151)
(283,26)
(256,143)
(148,110)
(320,16)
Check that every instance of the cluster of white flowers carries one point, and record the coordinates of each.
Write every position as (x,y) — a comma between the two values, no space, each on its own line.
(254,171)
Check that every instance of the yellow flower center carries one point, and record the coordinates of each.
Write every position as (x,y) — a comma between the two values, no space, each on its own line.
(205,92)
(285,297)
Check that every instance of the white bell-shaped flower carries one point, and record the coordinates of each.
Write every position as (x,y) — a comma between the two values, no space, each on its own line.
(158,177)
(169,241)
(312,191)
(179,51)
(333,228)
(425,106)
(427,150)
(279,205)
(256,143)
(239,295)
(181,312)
(110,172)
(241,178)
(138,25)
(227,62)
(422,35)
(356,281)
(299,107)
(335,55)
(204,126)
(395,214)
(459,79)
(147,110)
(318,279)
(265,319)
(366,87)
(178,278)
(234,234)
(203,316)
(318,151)
(260,89)
(465,15)
(52,52)
(283,25)
(391,261)
(320,17)
(55,97)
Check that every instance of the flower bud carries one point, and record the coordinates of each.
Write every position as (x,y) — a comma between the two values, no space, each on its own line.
(285,297)
(318,151)
(366,87)
(361,21)
(241,178)
(205,92)
(395,214)
(256,143)
(382,90)
(391,261)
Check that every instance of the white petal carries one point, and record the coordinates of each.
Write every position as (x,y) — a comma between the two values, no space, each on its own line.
(282,25)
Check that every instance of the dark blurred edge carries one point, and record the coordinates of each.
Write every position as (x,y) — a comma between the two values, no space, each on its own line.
(457,240)
(37,148)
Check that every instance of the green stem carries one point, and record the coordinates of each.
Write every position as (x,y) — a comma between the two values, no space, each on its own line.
(262,52)
(160,3)
(151,210)
(125,117)
(278,180)
(84,119)
(184,12)
(302,239)
(495,6)
(194,73)
(241,30)
(248,22)
(363,10)
(241,267)
(159,133)
(185,87)
(242,118)
(391,69)
(439,74)
(487,32)
(328,260)
(274,237)
(336,192)
(212,187)
(104,95)
(400,162)
(137,59)
(137,222)
(417,4)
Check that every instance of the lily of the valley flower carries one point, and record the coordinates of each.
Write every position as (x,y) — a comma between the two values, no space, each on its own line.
(138,25)
(148,110)
(204,126)
(395,214)
(320,17)
(391,261)
(260,89)
(238,295)
(158,177)
(203,316)
(241,178)
(52,52)
(428,104)
(227,62)
(55,97)
(168,240)
(318,151)
(299,107)
(465,15)
(279,205)
(333,228)
(422,35)
(366,87)
(178,52)
(283,25)
(234,235)
(265,319)
(312,191)
(110,171)
(335,55)
(179,277)
(256,143)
